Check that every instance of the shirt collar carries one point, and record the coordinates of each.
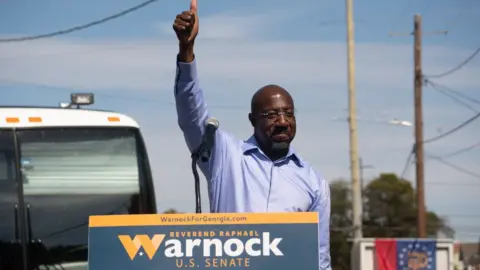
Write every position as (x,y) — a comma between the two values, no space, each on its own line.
(251,145)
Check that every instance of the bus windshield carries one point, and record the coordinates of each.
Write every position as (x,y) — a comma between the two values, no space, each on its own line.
(69,174)
(60,162)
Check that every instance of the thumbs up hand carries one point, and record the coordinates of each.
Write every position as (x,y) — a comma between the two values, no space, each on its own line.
(186,25)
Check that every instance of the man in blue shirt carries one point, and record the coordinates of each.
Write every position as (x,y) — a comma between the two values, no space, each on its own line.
(262,174)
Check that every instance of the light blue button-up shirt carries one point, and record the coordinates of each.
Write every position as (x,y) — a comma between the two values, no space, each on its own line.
(241,178)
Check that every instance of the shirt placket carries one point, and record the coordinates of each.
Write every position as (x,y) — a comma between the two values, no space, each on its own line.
(270,181)
(274,176)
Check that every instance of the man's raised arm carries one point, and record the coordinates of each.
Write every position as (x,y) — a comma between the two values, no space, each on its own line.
(191,108)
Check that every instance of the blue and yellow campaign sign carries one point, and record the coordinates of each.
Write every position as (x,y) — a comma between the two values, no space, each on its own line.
(204,241)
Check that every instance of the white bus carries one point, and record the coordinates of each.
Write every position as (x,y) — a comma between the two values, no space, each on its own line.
(58,166)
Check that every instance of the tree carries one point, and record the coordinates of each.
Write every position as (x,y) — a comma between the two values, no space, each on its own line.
(389,210)
(340,224)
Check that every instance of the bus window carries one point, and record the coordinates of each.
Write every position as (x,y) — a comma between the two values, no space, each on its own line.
(70,174)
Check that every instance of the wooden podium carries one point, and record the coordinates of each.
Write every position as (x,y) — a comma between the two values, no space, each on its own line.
(280,241)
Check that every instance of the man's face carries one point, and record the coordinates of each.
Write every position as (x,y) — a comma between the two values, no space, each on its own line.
(274,120)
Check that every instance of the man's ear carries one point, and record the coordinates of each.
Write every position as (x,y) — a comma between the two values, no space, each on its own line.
(252,119)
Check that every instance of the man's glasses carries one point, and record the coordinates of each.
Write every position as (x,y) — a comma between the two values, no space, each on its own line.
(277,113)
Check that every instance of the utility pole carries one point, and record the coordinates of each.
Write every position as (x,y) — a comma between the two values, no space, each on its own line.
(352,121)
(418,149)
(419,154)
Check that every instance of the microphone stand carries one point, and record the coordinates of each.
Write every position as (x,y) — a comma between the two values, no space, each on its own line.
(198,201)
(202,153)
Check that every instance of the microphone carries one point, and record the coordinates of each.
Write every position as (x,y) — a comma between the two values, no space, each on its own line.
(208,140)
(203,152)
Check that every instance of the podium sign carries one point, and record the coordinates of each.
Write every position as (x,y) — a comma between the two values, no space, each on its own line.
(280,241)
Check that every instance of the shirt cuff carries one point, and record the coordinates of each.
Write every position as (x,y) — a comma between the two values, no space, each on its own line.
(187,72)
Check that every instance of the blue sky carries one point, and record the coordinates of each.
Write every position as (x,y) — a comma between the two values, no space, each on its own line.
(130,63)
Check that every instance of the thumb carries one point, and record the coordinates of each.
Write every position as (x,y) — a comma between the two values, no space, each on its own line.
(193,6)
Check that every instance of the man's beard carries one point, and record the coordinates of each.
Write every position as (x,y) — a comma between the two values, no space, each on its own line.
(279,147)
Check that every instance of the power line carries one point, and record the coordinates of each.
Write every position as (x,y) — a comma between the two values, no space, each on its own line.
(80,27)
(446,73)
(460,151)
(455,167)
(407,163)
(462,125)
(451,96)
(452,91)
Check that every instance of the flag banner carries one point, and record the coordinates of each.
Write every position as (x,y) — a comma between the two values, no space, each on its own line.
(400,254)
(203,241)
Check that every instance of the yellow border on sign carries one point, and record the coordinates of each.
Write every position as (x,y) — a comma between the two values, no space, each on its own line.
(203,219)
